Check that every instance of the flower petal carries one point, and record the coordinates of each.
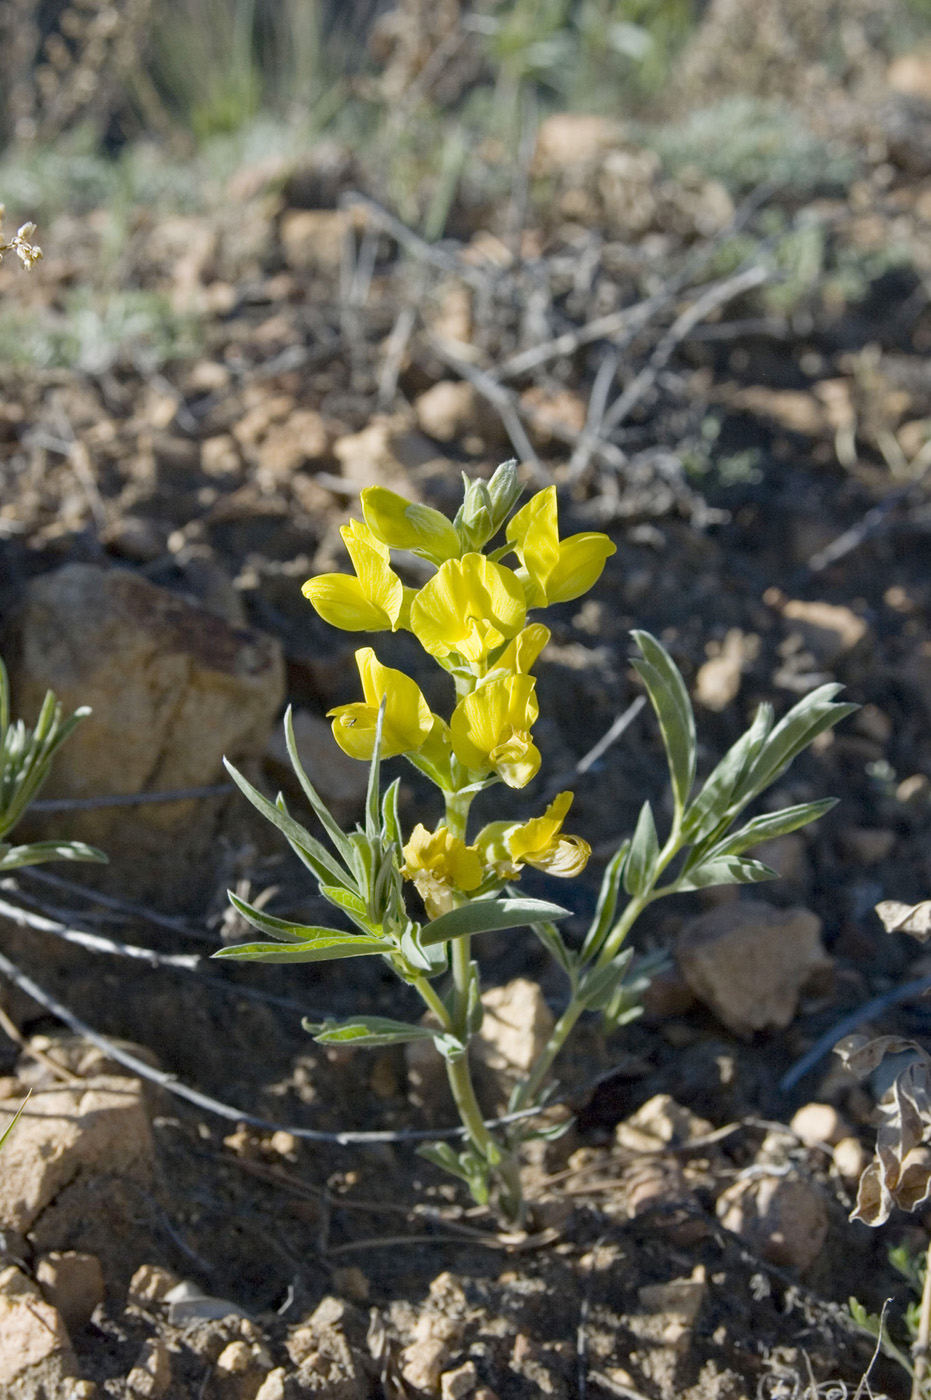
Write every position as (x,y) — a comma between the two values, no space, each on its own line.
(470,606)
(579,566)
(341,600)
(404,524)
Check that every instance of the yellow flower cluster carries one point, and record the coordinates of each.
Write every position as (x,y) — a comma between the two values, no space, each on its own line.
(472,617)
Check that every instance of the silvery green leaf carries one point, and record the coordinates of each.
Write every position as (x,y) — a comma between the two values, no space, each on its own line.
(726,870)
(598,984)
(367,1030)
(670,700)
(467,1166)
(287,930)
(640,865)
(771,825)
(812,715)
(331,944)
(429,961)
(550,937)
(712,803)
(325,817)
(299,838)
(606,908)
(449,1046)
(390,821)
(485,915)
(353,905)
(39,852)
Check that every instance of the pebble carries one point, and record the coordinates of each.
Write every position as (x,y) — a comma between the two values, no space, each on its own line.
(73,1283)
(819,1125)
(783,1217)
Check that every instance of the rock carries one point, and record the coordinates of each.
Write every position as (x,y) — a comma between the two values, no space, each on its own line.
(340,780)
(460,1383)
(446,410)
(188,1305)
(423,1361)
(272,1388)
(299,440)
(828,631)
(787,855)
(150,1284)
(383,454)
(568,139)
(819,1125)
(73,1284)
(718,679)
(36,1355)
(659,1123)
(173,689)
(514,1031)
(151,1375)
(783,1218)
(74,1167)
(851,1158)
(748,962)
(328,1350)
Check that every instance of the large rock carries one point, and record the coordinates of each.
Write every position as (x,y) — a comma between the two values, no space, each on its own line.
(749,961)
(78,1169)
(172,687)
(36,1357)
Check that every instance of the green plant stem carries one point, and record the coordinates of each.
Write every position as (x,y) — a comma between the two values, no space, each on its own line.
(527,1094)
(922,1340)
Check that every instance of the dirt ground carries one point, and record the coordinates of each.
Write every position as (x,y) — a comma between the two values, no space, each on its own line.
(766,486)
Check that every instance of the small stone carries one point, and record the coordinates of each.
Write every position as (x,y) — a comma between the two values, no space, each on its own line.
(787,855)
(422,1363)
(272,1388)
(312,239)
(718,679)
(351,1283)
(828,631)
(866,845)
(151,1375)
(819,1125)
(446,410)
(32,1332)
(915,788)
(515,1028)
(676,1304)
(150,1284)
(73,1283)
(659,1123)
(851,1158)
(783,1218)
(874,723)
(459,1384)
(235,1359)
(749,961)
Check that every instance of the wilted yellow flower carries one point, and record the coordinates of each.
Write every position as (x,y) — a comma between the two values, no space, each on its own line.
(506,847)
(439,865)
(28,252)
(470,606)
(408,721)
(491,730)
(374,600)
(554,571)
(406,524)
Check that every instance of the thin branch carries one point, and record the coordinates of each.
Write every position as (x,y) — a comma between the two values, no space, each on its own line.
(611,735)
(908,991)
(129,799)
(95,942)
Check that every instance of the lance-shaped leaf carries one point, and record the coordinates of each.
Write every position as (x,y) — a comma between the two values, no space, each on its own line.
(38,852)
(428,962)
(373,789)
(315,856)
(606,908)
(670,700)
(354,907)
(640,866)
(712,804)
(726,870)
(599,984)
(795,731)
(330,944)
(486,915)
(771,825)
(368,1030)
(289,931)
(390,820)
(327,820)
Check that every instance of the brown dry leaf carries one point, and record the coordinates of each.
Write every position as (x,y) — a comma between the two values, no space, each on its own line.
(900,1173)
(906,918)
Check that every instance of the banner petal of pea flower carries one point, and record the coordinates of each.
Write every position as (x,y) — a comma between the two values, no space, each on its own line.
(554,571)
(374,600)
(470,606)
(408,721)
(491,730)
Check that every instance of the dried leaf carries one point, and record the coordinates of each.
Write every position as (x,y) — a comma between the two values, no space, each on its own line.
(906,918)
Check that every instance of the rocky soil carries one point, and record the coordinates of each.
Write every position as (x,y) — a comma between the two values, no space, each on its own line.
(739,393)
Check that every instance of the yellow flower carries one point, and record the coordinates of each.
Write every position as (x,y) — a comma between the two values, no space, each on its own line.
(554,571)
(374,600)
(519,655)
(539,842)
(440,865)
(470,606)
(408,721)
(406,524)
(491,730)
